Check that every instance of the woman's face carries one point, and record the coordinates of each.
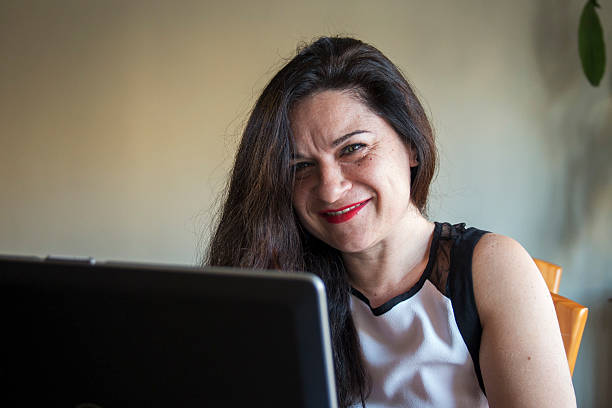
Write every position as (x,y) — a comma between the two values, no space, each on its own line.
(352,172)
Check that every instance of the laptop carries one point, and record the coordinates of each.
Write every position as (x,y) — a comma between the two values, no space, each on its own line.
(81,334)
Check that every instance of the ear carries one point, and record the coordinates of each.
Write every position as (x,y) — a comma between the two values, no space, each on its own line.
(413,157)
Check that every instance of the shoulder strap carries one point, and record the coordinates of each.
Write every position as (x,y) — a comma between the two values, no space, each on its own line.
(460,289)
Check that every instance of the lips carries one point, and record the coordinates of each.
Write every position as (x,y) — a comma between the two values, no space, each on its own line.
(343,214)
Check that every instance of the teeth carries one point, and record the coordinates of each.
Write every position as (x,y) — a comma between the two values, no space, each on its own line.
(333,213)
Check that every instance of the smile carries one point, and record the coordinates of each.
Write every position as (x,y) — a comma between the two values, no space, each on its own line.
(343,214)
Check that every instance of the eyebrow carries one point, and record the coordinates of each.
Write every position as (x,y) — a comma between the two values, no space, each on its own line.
(347,136)
(336,142)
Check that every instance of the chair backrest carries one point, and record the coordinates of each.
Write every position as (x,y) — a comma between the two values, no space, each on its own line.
(572,318)
(551,273)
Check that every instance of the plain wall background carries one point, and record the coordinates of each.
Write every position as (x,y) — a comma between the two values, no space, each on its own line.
(118,123)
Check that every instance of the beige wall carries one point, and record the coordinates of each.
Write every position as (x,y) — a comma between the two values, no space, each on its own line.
(118,122)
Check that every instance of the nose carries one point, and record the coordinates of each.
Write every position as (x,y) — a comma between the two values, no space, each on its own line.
(333,183)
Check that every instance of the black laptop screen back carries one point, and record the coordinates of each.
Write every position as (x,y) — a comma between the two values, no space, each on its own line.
(117,336)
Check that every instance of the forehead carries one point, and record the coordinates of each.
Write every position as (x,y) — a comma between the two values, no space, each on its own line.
(329,113)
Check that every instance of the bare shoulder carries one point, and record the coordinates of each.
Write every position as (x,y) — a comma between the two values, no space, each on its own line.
(500,251)
(503,271)
(522,358)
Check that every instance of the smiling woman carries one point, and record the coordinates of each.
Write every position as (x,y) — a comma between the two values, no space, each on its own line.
(332,176)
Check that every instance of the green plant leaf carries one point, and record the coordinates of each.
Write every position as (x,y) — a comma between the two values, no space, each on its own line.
(591,44)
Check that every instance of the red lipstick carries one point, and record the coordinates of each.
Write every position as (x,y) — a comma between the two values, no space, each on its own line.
(343,214)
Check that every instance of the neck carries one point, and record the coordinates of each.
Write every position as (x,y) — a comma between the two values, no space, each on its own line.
(392,267)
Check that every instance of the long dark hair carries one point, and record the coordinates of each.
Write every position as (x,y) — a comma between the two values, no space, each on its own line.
(258,227)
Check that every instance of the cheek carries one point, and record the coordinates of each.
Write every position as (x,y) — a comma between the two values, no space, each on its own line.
(300,200)
(300,206)
(370,170)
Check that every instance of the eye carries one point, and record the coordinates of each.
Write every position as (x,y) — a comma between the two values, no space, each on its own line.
(301,166)
(352,148)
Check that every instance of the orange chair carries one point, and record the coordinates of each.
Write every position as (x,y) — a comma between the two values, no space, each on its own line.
(572,316)
(551,273)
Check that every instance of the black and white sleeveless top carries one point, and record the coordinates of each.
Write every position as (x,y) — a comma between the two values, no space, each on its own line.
(421,348)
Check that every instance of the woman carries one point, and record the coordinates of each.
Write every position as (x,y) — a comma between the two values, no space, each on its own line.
(332,177)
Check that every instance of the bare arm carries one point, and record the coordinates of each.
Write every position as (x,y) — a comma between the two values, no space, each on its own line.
(522,358)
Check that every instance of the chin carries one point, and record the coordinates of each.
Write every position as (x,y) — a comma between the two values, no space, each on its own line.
(350,247)
(344,242)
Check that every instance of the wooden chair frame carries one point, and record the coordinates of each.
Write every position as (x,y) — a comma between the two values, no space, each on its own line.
(551,273)
(572,316)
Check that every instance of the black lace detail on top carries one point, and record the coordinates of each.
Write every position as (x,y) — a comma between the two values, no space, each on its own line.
(442,260)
